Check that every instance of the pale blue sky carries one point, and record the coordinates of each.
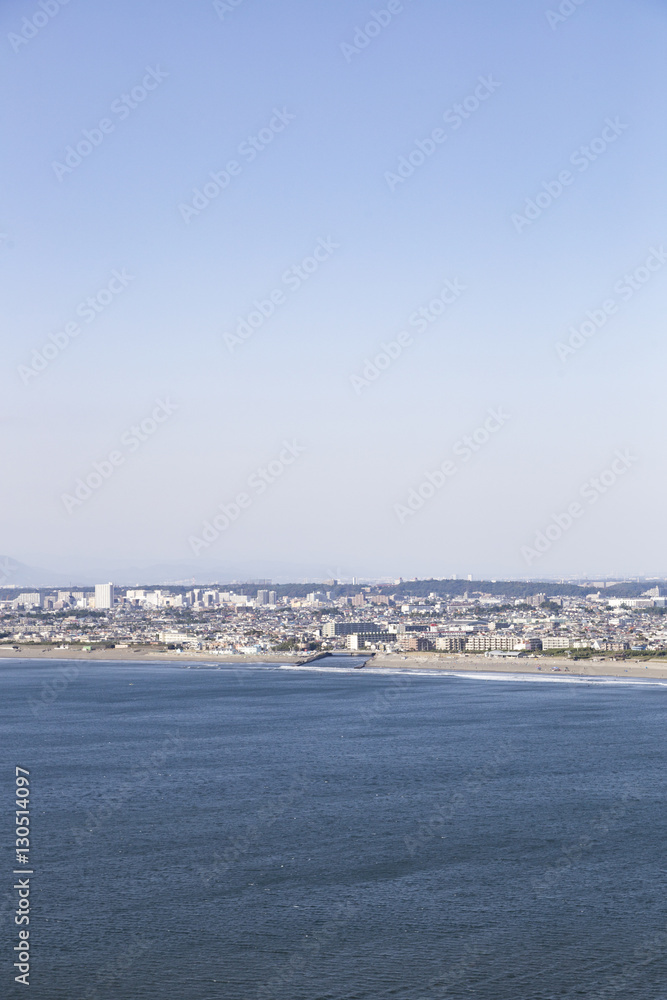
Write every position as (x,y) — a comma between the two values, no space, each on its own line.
(323,177)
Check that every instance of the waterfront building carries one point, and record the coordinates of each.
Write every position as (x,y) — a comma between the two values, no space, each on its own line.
(481,642)
(451,643)
(411,642)
(556,642)
(362,640)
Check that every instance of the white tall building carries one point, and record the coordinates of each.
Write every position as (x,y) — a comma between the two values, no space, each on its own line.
(103,595)
(28,601)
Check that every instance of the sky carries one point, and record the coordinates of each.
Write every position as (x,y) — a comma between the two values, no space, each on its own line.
(380,288)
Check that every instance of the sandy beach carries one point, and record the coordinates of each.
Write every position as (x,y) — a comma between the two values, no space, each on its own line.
(602,667)
(595,667)
(37,652)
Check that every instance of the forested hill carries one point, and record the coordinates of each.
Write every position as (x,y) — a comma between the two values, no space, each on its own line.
(510,588)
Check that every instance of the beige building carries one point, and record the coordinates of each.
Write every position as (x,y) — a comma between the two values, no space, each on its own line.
(494,640)
(411,642)
(556,642)
(451,643)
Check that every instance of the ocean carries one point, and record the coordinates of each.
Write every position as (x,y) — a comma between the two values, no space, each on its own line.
(262,833)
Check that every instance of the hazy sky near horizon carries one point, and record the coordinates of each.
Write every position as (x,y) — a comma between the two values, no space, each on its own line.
(537,206)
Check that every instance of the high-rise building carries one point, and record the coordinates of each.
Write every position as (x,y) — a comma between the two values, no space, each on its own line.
(272,597)
(27,601)
(316,597)
(103,595)
(262,597)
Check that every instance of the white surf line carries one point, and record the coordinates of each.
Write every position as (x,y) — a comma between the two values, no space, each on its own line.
(490,676)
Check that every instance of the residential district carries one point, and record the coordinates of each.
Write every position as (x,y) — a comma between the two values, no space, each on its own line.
(417,616)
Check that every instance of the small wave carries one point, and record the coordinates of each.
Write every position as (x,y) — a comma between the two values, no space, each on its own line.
(486,675)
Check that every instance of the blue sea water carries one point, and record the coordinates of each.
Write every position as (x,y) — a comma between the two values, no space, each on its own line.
(254,833)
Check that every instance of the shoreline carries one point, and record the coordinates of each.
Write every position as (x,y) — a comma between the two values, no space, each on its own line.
(146,655)
(545,666)
(646,669)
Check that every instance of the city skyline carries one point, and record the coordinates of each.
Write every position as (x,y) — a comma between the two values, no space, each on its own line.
(510,622)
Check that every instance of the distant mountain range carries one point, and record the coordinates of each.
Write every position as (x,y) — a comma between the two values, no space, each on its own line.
(178,573)
(199,573)
(16,574)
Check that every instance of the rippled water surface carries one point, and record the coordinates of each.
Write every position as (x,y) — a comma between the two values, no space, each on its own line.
(266,833)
